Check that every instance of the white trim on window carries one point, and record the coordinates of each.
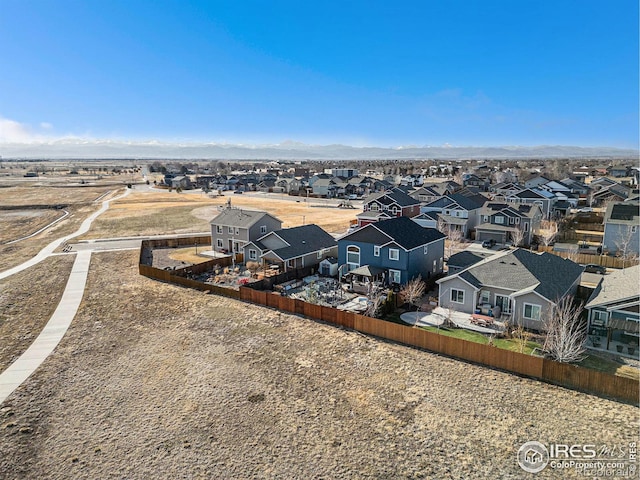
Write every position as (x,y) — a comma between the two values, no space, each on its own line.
(263,229)
(534,311)
(230,230)
(457,296)
(219,243)
(353,256)
(395,276)
(253,254)
(394,254)
(218,228)
(376,250)
(425,249)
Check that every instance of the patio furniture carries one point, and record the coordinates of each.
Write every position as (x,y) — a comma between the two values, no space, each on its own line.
(482,320)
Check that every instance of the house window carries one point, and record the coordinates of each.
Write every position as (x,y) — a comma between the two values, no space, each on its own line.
(634,228)
(237,231)
(425,249)
(499,219)
(394,276)
(319,254)
(511,220)
(457,296)
(518,221)
(374,207)
(376,251)
(253,255)
(485,297)
(525,226)
(230,230)
(394,254)
(504,303)
(353,257)
(263,229)
(598,318)
(486,218)
(219,243)
(531,312)
(291,263)
(218,228)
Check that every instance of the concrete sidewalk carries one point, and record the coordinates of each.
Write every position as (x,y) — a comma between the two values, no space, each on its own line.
(49,249)
(53,331)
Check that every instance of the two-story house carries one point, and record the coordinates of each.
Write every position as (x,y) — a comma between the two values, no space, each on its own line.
(499,221)
(399,247)
(457,211)
(534,196)
(234,227)
(292,248)
(388,204)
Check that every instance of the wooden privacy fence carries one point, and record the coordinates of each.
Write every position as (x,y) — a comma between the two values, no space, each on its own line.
(585,258)
(570,376)
(169,277)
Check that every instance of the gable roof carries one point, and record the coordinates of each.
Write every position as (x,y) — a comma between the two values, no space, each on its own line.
(548,275)
(466,258)
(468,202)
(392,196)
(236,217)
(618,285)
(401,230)
(407,233)
(622,213)
(302,241)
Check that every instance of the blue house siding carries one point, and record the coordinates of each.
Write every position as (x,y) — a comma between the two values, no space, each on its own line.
(410,264)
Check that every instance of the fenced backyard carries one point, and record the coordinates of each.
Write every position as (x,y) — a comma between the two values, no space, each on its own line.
(570,376)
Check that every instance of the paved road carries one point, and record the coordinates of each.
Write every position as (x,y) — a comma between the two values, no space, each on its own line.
(49,249)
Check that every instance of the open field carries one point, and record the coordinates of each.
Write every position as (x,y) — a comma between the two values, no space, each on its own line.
(27,301)
(15,224)
(156,381)
(153,212)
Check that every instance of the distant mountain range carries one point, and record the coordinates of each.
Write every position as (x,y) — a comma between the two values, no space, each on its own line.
(288,150)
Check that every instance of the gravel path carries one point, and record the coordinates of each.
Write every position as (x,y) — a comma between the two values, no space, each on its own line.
(156,381)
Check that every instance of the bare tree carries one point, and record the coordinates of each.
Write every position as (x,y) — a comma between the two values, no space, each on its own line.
(454,236)
(517,236)
(374,305)
(566,333)
(548,231)
(624,244)
(413,291)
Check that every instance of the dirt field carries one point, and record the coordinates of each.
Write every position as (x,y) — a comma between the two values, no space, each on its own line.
(156,381)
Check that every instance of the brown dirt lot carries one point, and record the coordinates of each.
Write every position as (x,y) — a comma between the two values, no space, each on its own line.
(156,381)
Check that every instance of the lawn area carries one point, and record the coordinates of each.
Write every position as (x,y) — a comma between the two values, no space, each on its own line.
(601,364)
(504,343)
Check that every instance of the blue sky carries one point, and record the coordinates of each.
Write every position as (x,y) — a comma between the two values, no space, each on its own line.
(485,72)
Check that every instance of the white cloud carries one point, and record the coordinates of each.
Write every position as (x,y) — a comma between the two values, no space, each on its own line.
(12,131)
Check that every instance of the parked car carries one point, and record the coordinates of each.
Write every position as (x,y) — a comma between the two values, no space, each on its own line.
(488,243)
(593,268)
(238,192)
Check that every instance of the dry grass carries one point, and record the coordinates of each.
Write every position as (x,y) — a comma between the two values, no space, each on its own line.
(189,254)
(34,194)
(161,212)
(157,381)
(27,301)
(16,224)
